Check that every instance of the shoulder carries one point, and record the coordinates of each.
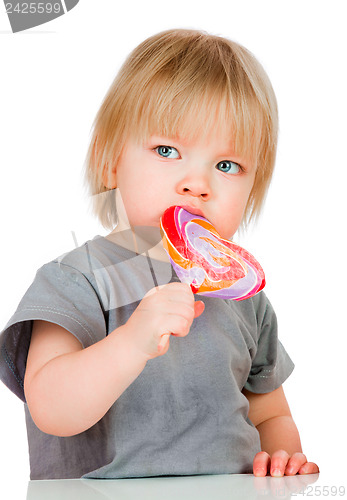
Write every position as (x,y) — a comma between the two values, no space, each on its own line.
(82,264)
(256,308)
(91,255)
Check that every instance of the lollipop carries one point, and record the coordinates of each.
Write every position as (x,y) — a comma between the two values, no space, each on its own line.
(211,265)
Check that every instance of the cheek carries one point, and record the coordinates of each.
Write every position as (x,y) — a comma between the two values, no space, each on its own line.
(234,209)
(230,227)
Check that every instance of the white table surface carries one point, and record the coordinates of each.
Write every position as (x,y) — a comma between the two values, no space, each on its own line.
(218,487)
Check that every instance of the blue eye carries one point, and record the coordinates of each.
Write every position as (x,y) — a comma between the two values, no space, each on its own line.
(167,152)
(229,167)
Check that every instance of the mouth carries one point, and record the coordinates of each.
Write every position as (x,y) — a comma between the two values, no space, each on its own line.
(192,210)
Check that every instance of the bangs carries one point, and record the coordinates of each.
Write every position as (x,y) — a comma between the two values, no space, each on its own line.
(198,112)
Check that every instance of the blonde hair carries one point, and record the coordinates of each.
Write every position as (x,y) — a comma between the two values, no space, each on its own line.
(179,82)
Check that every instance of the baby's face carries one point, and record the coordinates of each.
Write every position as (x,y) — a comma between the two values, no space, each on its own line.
(205,177)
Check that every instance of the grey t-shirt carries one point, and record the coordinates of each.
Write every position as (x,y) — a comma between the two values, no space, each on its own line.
(185,413)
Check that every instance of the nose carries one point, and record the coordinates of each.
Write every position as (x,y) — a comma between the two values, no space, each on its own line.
(196,185)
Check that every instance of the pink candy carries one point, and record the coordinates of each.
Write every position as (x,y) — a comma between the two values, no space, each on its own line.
(211,265)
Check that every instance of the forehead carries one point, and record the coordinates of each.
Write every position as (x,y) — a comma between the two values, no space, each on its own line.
(202,116)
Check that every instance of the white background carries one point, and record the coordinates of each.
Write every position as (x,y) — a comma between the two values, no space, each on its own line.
(53,79)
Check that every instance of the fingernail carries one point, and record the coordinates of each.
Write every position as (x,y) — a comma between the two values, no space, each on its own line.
(259,472)
(290,470)
(303,469)
(276,473)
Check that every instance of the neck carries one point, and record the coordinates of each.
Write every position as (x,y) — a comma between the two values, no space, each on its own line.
(143,240)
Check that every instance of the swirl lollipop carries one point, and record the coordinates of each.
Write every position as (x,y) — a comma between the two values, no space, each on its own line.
(211,265)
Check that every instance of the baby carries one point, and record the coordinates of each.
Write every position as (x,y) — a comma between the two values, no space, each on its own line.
(122,372)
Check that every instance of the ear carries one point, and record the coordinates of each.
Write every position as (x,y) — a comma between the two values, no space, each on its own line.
(109,178)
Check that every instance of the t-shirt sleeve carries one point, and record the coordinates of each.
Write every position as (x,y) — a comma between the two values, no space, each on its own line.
(271,364)
(59,294)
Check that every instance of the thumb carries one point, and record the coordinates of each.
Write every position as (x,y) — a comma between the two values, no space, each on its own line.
(199,307)
(164,343)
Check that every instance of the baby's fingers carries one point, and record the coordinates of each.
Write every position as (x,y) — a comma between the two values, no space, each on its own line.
(164,343)
(309,468)
(298,464)
(281,464)
(296,461)
(199,307)
(279,461)
(261,464)
(276,464)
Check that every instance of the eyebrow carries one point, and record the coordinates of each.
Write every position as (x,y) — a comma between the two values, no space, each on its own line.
(183,142)
(164,139)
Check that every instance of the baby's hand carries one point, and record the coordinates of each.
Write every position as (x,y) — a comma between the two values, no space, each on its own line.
(280,464)
(165,310)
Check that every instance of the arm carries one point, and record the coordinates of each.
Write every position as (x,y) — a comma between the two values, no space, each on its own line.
(279,436)
(271,415)
(69,389)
